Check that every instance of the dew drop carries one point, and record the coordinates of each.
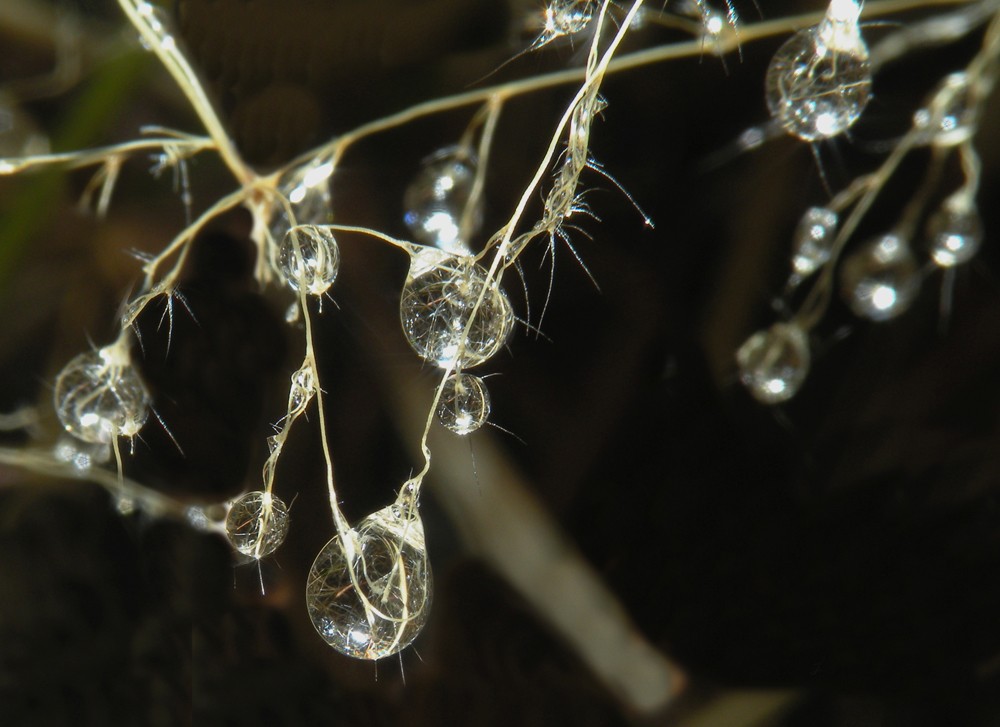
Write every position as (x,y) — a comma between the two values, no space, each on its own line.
(949,116)
(819,81)
(257,524)
(880,280)
(464,405)
(955,233)
(814,238)
(301,391)
(568,17)
(437,200)
(307,189)
(370,597)
(309,258)
(98,397)
(436,304)
(774,362)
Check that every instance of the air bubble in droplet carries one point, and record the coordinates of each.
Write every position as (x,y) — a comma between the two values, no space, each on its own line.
(880,280)
(257,524)
(464,405)
(99,396)
(435,307)
(370,597)
(955,232)
(774,362)
(437,201)
(309,258)
(819,81)
(814,238)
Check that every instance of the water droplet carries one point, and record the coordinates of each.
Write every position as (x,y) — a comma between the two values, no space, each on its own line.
(949,116)
(80,454)
(567,17)
(99,397)
(956,233)
(437,199)
(880,280)
(819,81)
(370,597)
(773,363)
(814,238)
(307,189)
(464,405)
(309,258)
(257,524)
(301,391)
(435,307)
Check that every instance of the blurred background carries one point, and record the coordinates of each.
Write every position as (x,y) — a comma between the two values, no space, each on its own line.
(828,563)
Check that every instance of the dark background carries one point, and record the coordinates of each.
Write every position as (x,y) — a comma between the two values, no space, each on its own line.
(845,545)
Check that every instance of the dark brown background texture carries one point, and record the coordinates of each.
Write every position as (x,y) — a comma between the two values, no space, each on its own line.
(846,544)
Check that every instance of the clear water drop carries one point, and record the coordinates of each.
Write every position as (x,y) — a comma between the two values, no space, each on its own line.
(257,524)
(464,405)
(370,597)
(436,305)
(99,396)
(307,189)
(949,117)
(774,362)
(955,232)
(309,258)
(301,390)
(814,238)
(437,199)
(880,280)
(819,81)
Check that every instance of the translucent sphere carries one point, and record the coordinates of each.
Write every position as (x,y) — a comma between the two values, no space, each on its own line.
(949,116)
(464,405)
(369,598)
(309,258)
(773,363)
(880,280)
(99,397)
(955,235)
(814,238)
(307,189)
(437,198)
(257,524)
(435,307)
(815,89)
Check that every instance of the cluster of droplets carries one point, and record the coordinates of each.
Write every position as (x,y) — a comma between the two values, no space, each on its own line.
(369,590)
(819,82)
(99,396)
(440,210)
(257,524)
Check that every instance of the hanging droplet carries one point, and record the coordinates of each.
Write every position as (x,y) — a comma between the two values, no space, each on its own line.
(309,258)
(307,189)
(464,405)
(437,201)
(257,524)
(369,597)
(301,390)
(955,232)
(566,17)
(880,280)
(819,81)
(99,396)
(774,362)
(814,238)
(436,304)
(949,116)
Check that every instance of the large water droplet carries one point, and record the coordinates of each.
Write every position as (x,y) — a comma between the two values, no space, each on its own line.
(819,81)
(309,258)
(437,199)
(464,405)
(880,280)
(774,362)
(955,233)
(436,305)
(99,397)
(257,524)
(370,597)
